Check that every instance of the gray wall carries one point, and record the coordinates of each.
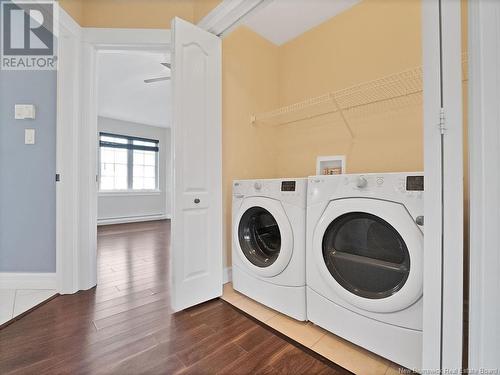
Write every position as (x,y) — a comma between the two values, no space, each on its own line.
(123,206)
(27,174)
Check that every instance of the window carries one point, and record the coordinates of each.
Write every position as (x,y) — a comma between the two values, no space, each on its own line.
(127,163)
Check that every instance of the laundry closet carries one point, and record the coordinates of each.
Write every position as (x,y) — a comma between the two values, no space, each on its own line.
(349,88)
(380,127)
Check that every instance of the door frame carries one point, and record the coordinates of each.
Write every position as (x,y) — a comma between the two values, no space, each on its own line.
(443,165)
(484,153)
(76,267)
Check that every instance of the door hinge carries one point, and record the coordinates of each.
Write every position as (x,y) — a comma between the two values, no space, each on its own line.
(58,177)
(442,121)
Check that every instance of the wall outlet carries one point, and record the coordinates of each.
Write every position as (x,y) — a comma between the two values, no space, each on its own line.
(327,165)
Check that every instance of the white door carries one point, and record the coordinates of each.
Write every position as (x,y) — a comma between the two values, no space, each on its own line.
(443,164)
(196,255)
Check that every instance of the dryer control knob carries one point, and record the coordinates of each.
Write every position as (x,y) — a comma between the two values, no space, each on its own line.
(361,182)
(257,185)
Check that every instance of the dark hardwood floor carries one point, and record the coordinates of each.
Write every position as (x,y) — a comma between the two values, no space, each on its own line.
(125,325)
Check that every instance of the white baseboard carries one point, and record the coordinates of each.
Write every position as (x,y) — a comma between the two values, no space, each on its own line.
(227,275)
(131,219)
(26,280)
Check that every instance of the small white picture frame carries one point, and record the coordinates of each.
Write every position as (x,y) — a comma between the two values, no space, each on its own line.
(330,165)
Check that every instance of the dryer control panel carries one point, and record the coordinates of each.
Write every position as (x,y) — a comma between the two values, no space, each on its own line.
(405,188)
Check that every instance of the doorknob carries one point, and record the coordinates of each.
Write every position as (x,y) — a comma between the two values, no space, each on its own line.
(197,200)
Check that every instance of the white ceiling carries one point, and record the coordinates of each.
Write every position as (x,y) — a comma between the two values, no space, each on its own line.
(283,20)
(123,95)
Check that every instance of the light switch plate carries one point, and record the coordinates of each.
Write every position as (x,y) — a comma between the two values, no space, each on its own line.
(29,136)
(24,111)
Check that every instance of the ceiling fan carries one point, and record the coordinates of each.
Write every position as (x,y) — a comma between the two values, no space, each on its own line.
(158,79)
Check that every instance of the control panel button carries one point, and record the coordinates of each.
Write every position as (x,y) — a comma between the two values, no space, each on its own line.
(361,182)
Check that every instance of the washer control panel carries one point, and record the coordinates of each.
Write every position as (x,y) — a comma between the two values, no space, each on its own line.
(415,183)
(411,185)
(291,190)
(288,185)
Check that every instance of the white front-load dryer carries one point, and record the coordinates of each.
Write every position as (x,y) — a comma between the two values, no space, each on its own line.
(365,250)
(268,252)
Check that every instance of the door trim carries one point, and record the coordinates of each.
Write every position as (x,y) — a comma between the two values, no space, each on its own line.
(484,144)
(94,41)
(431,356)
(76,266)
(67,162)
(453,187)
(229,14)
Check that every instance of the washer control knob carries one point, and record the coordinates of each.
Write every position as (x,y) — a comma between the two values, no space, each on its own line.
(361,182)
(257,185)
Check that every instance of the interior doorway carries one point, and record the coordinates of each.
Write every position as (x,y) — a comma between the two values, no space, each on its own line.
(133,125)
(134,169)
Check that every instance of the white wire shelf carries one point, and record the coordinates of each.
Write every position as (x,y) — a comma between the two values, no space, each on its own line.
(306,109)
(388,93)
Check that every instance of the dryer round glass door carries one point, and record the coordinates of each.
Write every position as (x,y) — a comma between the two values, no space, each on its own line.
(370,253)
(259,236)
(366,255)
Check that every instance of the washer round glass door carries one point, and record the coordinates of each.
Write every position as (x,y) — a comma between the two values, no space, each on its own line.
(263,236)
(259,236)
(371,253)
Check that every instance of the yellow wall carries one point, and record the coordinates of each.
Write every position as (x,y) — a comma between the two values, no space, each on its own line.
(371,40)
(74,8)
(150,14)
(249,85)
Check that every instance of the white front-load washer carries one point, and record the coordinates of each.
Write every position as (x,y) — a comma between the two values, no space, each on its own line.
(268,252)
(365,250)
